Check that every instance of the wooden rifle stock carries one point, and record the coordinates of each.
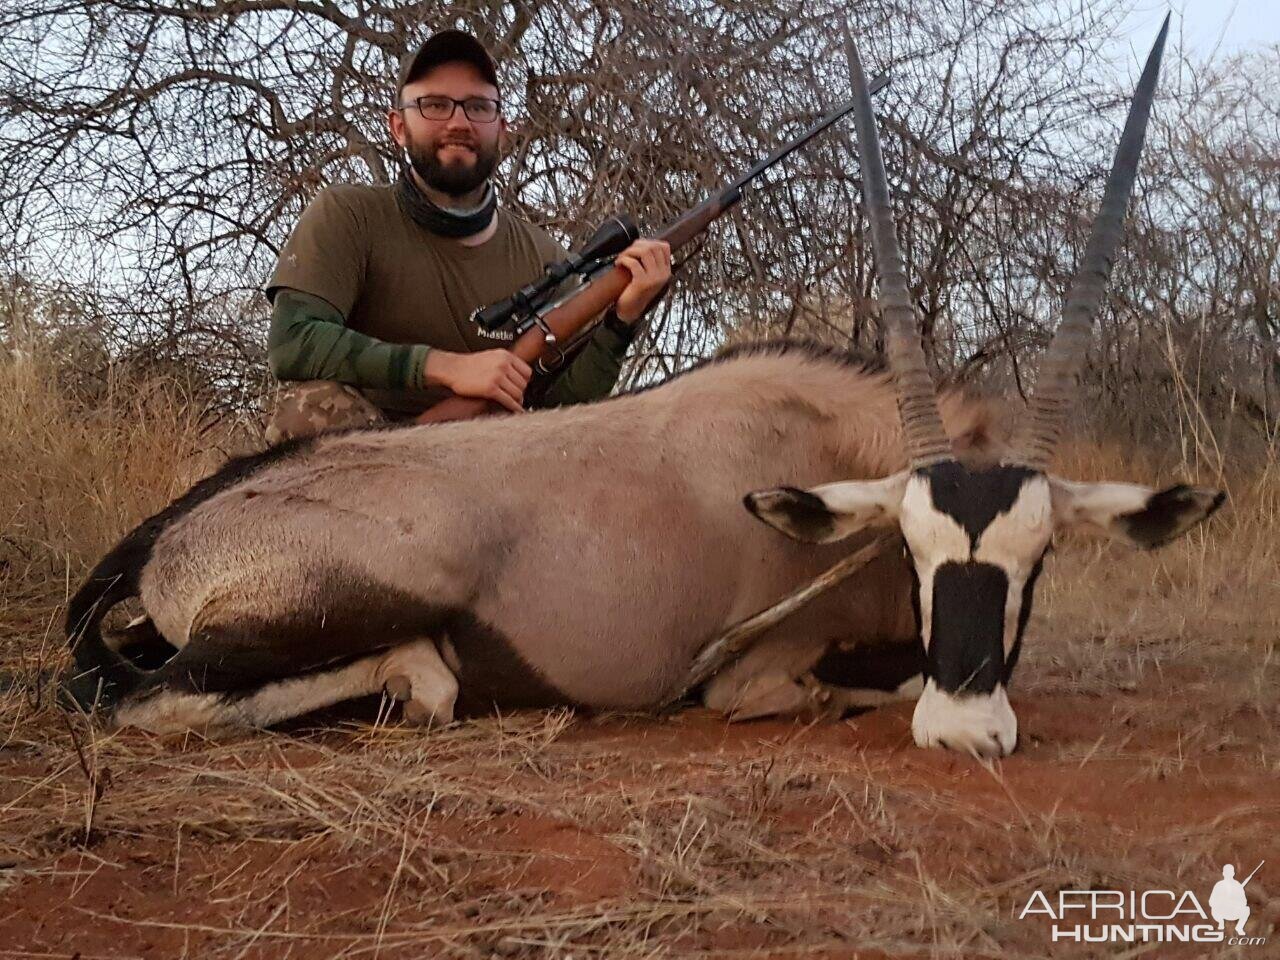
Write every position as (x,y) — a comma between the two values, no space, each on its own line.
(568,319)
(564,321)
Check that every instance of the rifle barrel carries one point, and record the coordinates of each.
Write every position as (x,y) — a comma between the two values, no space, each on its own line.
(878,83)
(693,222)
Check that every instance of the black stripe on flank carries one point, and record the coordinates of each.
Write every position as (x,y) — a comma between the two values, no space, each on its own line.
(339,617)
(973,498)
(966,640)
(492,675)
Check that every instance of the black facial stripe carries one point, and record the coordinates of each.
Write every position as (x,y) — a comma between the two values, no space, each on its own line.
(973,498)
(1024,615)
(966,640)
(806,515)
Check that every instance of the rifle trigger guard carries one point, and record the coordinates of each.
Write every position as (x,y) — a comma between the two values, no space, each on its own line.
(551,341)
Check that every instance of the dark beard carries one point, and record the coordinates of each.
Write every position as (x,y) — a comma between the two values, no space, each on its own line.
(454,180)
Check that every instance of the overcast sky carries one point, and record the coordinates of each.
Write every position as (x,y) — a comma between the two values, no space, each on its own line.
(1209,26)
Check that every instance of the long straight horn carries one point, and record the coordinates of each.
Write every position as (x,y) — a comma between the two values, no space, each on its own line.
(926,440)
(1056,386)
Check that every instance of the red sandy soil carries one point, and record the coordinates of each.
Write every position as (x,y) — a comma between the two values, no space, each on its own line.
(628,836)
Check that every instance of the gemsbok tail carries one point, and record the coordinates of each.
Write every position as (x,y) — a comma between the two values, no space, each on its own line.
(101,676)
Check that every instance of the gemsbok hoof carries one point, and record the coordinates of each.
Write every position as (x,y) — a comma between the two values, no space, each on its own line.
(421,715)
(398,689)
(416,677)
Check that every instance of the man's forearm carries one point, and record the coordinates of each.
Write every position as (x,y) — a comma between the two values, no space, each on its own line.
(309,340)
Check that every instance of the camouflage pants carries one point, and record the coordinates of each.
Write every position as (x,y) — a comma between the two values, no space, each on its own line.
(307,407)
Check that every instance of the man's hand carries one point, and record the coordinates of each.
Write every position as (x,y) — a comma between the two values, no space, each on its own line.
(497,375)
(649,263)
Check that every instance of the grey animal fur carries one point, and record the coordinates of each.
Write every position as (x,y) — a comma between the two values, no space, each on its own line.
(581,555)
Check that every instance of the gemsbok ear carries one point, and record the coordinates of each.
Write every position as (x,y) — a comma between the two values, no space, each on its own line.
(832,511)
(1136,514)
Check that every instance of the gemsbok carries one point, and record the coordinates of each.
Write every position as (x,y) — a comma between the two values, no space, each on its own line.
(586,555)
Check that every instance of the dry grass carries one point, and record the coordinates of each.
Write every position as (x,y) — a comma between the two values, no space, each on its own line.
(74,476)
(1148,703)
(1122,616)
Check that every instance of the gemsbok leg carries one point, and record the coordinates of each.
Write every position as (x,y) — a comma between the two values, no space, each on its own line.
(411,673)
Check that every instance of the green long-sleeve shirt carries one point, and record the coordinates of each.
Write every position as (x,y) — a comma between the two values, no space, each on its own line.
(362,291)
(309,340)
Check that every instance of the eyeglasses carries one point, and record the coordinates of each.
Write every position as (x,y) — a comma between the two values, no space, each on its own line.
(477,109)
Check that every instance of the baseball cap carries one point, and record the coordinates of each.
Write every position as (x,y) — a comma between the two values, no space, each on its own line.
(446,47)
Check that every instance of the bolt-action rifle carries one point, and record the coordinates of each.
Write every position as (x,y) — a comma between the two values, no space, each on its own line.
(544,322)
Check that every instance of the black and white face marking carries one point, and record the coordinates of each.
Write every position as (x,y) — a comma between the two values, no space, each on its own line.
(976,540)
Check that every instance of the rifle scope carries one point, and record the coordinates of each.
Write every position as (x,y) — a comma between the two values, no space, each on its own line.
(610,239)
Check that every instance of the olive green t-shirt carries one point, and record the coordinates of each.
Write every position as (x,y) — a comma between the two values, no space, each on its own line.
(392,280)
